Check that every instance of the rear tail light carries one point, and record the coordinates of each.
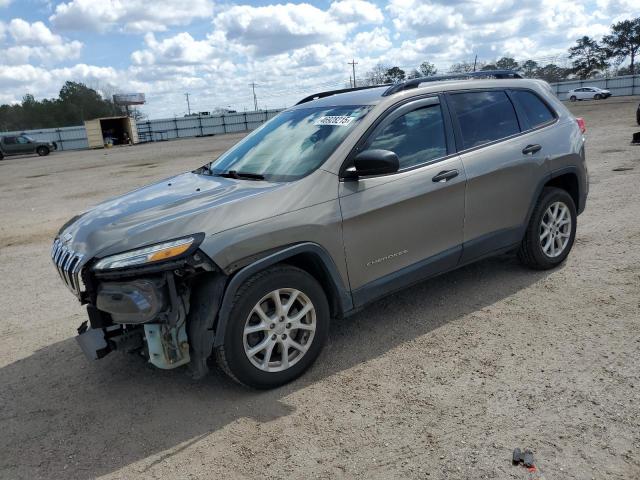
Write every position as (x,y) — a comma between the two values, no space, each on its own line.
(581,124)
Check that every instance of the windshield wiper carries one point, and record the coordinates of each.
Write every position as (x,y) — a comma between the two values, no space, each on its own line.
(240,175)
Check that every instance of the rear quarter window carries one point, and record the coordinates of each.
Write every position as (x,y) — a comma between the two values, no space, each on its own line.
(484,117)
(535,110)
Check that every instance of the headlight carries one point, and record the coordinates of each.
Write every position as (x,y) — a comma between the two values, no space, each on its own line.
(151,254)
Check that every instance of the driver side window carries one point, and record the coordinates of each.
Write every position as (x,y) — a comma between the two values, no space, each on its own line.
(416,137)
(22,140)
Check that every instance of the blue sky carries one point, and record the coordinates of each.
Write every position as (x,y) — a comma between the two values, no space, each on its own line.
(213,50)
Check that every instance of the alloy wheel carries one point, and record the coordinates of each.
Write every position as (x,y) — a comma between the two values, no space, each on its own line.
(555,229)
(279,330)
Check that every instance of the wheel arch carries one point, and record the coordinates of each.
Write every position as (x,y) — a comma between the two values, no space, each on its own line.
(568,181)
(307,256)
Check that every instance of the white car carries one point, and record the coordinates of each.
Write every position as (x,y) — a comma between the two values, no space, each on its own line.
(587,93)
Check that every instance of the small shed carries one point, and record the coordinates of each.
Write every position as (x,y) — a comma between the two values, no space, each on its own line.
(110,130)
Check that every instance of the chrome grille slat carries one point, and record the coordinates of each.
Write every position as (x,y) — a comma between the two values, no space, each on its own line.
(69,266)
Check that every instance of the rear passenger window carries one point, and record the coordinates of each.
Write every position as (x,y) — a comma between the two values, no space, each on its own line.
(484,117)
(535,110)
(416,137)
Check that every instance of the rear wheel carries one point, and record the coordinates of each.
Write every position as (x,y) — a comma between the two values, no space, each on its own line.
(573,98)
(551,231)
(42,151)
(278,324)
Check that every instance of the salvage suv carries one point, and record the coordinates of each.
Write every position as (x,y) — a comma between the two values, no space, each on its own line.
(346,197)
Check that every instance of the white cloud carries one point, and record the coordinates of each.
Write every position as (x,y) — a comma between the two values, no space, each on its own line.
(34,42)
(128,15)
(278,28)
(275,29)
(180,49)
(376,40)
(45,82)
(359,11)
(4,3)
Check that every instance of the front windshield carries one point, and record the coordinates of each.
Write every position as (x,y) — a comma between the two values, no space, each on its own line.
(292,144)
(28,138)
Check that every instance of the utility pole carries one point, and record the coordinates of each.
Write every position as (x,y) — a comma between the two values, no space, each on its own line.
(353,64)
(255,99)
(188,104)
(474,63)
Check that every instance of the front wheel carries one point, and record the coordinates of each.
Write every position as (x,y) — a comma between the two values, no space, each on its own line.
(551,230)
(277,327)
(573,98)
(597,96)
(42,151)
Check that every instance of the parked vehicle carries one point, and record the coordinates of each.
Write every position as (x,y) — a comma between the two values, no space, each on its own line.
(588,93)
(346,197)
(638,115)
(23,144)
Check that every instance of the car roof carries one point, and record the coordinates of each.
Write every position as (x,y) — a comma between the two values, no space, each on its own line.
(376,95)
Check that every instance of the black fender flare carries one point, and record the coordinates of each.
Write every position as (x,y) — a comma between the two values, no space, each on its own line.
(343,295)
(547,178)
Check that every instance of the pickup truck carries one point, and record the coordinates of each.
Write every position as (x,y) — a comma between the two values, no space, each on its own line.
(23,144)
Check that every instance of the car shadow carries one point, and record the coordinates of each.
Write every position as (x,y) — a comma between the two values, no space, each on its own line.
(65,417)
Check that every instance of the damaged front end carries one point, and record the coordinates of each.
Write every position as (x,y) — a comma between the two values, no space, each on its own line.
(163,310)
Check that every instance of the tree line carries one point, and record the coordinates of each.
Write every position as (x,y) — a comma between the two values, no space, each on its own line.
(589,58)
(75,103)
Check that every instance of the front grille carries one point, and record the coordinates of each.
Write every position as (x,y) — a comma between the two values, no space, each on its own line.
(69,265)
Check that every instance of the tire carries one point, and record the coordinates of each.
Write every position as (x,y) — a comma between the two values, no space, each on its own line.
(597,96)
(573,98)
(42,151)
(536,250)
(1,156)
(274,332)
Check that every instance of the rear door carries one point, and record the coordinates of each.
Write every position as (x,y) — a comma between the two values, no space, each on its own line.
(504,160)
(397,226)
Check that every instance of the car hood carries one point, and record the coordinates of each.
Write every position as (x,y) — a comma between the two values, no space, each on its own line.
(179,206)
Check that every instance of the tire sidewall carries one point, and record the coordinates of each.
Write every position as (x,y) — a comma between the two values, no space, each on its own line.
(42,151)
(573,98)
(237,360)
(550,196)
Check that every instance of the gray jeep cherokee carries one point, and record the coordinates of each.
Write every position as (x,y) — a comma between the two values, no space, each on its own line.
(344,198)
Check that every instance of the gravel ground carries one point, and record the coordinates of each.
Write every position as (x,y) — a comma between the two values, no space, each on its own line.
(442,380)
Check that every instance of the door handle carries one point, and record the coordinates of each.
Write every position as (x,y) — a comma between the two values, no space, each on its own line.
(445,176)
(531,149)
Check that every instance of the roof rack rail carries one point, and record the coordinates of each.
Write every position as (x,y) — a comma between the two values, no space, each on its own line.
(415,82)
(328,93)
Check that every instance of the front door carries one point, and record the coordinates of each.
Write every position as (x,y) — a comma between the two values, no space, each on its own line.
(24,145)
(401,227)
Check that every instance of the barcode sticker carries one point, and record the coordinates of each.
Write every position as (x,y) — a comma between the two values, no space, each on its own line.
(337,120)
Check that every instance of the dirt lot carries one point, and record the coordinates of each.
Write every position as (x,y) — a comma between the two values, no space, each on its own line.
(440,381)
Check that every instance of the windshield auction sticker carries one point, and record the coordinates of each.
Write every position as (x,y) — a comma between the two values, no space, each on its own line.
(337,120)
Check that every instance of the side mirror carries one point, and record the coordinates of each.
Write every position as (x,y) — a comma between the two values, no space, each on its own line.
(375,162)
